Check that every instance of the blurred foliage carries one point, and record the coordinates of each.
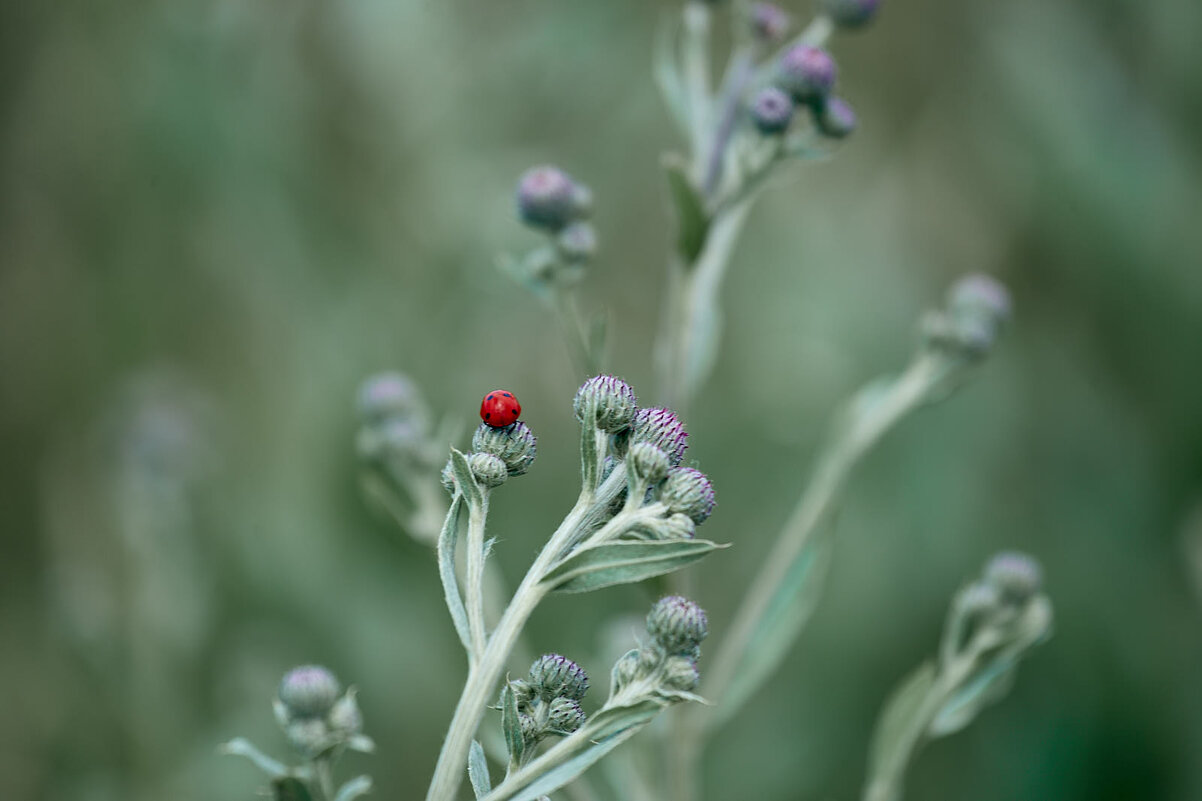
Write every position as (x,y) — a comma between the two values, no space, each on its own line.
(219,216)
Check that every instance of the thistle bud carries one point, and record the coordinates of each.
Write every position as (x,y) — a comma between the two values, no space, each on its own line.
(836,118)
(851,13)
(554,676)
(979,600)
(1015,575)
(647,462)
(548,198)
(309,736)
(662,428)
(531,732)
(345,717)
(582,201)
(680,673)
(577,242)
(769,23)
(309,691)
(447,477)
(807,73)
(772,111)
(679,526)
(980,296)
(488,470)
(565,716)
(689,492)
(606,403)
(626,670)
(514,444)
(677,624)
(387,395)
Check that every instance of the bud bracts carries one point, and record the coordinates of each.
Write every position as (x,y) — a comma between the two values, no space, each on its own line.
(606,403)
(309,691)
(554,676)
(662,428)
(515,445)
(677,624)
(688,491)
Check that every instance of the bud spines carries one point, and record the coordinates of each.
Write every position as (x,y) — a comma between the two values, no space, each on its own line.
(606,403)
(666,669)
(548,699)
(662,428)
(688,491)
(677,624)
(515,445)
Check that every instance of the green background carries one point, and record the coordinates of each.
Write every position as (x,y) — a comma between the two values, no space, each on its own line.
(217,217)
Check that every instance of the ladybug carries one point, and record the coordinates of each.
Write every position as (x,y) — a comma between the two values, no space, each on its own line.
(500,408)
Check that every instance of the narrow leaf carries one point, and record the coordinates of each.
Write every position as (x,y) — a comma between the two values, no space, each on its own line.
(464,479)
(692,219)
(667,75)
(901,722)
(613,563)
(511,724)
(985,688)
(240,746)
(446,571)
(477,770)
(355,788)
(778,628)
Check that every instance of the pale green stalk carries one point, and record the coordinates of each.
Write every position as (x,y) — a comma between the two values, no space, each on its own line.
(477,514)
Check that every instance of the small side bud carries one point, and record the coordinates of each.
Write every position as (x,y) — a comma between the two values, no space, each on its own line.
(605,402)
(488,470)
(851,13)
(688,492)
(626,670)
(565,716)
(548,198)
(836,118)
(554,676)
(577,242)
(772,111)
(345,717)
(679,527)
(514,444)
(979,600)
(769,23)
(680,673)
(662,428)
(447,477)
(807,73)
(309,691)
(1015,575)
(677,624)
(980,295)
(647,462)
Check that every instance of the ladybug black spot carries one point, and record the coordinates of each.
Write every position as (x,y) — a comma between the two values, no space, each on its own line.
(487,415)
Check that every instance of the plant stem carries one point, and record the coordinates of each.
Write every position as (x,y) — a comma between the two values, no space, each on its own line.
(477,514)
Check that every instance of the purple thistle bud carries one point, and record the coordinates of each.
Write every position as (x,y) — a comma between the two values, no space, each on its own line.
(677,624)
(772,111)
(769,23)
(689,492)
(548,198)
(662,428)
(836,118)
(807,73)
(309,691)
(851,13)
(606,403)
(565,716)
(514,444)
(554,676)
(980,295)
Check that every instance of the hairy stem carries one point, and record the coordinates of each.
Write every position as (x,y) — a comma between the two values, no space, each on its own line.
(477,514)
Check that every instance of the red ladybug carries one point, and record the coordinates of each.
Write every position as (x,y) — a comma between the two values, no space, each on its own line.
(500,408)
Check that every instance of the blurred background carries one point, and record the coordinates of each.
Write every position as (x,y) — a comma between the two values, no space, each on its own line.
(218,217)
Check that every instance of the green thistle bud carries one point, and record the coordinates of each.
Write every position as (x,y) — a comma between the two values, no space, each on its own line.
(980,296)
(626,669)
(531,731)
(309,736)
(689,492)
(488,470)
(1015,575)
(647,462)
(979,600)
(606,403)
(565,716)
(679,527)
(662,428)
(577,242)
(554,676)
(309,691)
(677,624)
(515,445)
(680,673)
(345,717)
(447,477)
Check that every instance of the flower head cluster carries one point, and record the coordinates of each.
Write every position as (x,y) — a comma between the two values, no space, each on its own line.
(1006,601)
(552,201)
(805,77)
(314,711)
(978,308)
(395,422)
(666,669)
(548,699)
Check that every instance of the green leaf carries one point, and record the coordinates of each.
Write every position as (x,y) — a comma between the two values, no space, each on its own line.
(464,480)
(613,563)
(779,626)
(240,746)
(446,571)
(901,722)
(355,788)
(290,788)
(693,221)
(477,770)
(983,689)
(667,74)
(511,724)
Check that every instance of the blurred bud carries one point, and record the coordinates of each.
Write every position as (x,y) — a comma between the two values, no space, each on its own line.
(488,470)
(807,73)
(836,118)
(647,462)
(626,669)
(979,296)
(689,492)
(979,600)
(772,111)
(309,691)
(554,676)
(309,736)
(678,527)
(345,717)
(851,13)
(677,624)
(577,242)
(565,716)
(605,402)
(1015,575)
(515,445)
(548,198)
(447,477)
(662,428)
(769,23)
(680,673)
(387,395)
(582,201)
